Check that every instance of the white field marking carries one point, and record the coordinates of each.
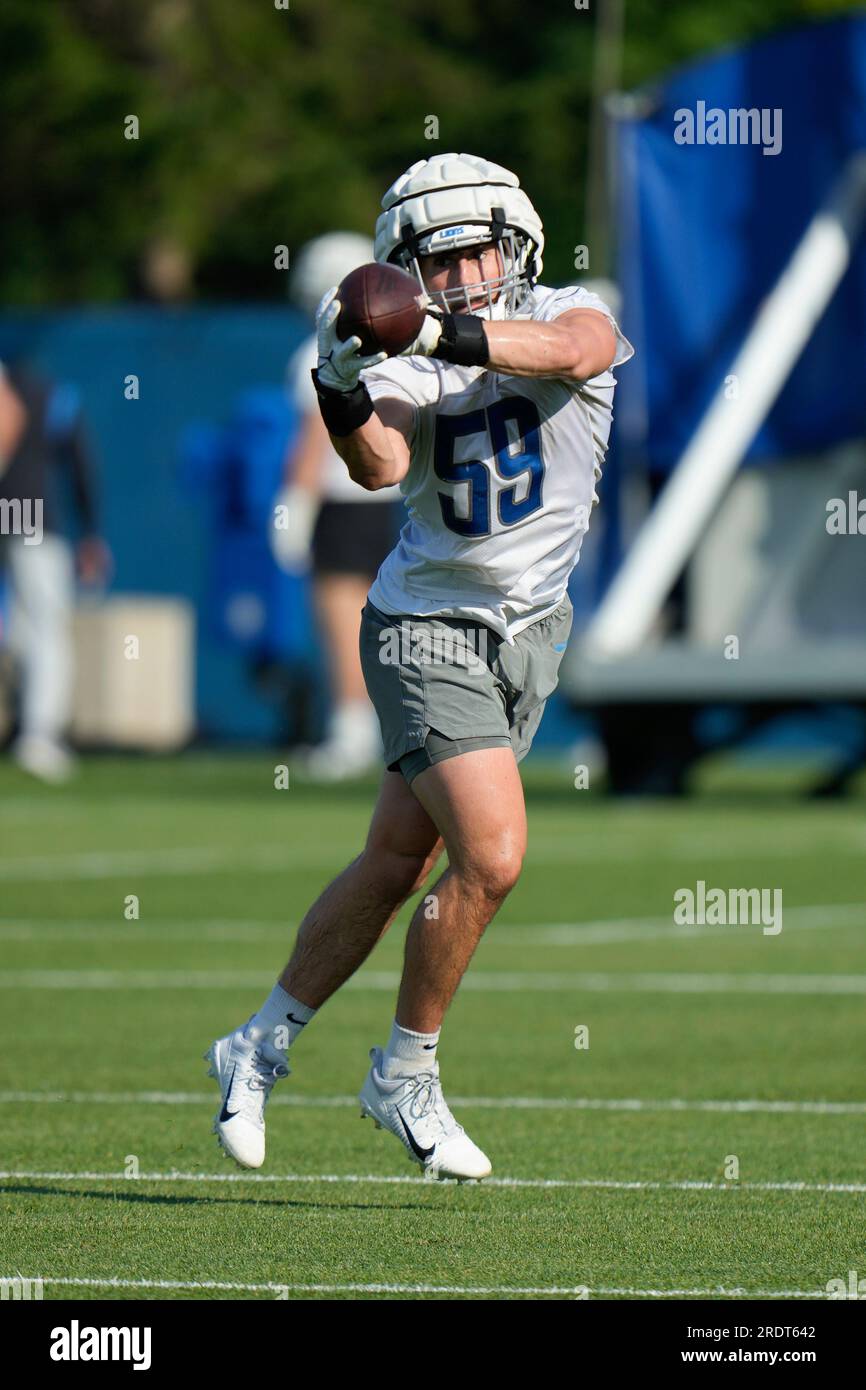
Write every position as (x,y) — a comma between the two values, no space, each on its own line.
(221,1286)
(165,929)
(677,841)
(208,859)
(592,933)
(628,1104)
(184,860)
(378,1180)
(614,930)
(482,981)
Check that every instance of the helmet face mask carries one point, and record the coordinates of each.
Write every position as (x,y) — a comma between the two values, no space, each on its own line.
(452,202)
(501,295)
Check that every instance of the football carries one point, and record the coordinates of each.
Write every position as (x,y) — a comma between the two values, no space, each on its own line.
(383,306)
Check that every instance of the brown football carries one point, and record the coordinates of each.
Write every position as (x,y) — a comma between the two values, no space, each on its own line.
(383,306)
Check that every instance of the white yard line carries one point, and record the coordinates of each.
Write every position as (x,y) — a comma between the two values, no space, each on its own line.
(481,981)
(550,1290)
(591,933)
(577,1103)
(367,1179)
(194,859)
(654,928)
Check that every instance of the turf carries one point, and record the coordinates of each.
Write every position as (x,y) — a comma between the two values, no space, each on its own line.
(97,1010)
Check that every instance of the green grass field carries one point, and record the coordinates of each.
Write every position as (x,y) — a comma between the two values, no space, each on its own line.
(611,1163)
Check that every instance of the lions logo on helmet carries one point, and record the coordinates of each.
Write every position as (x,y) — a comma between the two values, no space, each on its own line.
(456,200)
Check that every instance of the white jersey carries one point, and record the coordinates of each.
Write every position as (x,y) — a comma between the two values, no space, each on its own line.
(336,485)
(500,484)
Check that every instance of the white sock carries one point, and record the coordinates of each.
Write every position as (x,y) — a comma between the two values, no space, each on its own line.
(408,1051)
(279,1020)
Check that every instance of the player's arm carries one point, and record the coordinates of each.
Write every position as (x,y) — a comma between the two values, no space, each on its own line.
(372,440)
(296,505)
(377,452)
(578,345)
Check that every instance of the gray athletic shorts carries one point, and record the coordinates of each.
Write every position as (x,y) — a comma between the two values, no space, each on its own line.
(443,686)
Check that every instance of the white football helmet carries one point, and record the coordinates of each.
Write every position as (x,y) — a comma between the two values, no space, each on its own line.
(323,263)
(457,200)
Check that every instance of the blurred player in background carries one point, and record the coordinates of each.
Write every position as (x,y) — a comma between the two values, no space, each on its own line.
(496,421)
(339,528)
(50,454)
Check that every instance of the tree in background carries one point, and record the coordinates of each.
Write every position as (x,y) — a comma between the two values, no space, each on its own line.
(260,126)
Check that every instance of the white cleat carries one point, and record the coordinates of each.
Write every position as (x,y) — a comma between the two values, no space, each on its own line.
(413,1108)
(245,1073)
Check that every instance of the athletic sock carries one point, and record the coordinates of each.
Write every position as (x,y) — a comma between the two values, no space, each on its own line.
(408,1051)
(279,1021)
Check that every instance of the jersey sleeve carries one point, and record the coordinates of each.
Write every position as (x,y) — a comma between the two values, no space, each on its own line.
(576,297)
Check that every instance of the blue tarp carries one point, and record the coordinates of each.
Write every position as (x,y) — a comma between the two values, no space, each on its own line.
(706,229)
(222,367)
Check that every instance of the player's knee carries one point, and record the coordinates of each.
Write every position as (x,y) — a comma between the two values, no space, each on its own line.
(494,868)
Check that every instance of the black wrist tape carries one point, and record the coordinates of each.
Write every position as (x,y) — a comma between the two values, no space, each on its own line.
(343,411)
(463,341)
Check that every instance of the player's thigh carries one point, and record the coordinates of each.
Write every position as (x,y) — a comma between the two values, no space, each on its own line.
(400,825)
(476,801)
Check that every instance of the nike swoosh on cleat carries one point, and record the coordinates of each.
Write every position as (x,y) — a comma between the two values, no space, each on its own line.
(416,1147)
(225,1113)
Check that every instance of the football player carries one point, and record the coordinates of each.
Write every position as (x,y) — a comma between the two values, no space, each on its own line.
(494,423)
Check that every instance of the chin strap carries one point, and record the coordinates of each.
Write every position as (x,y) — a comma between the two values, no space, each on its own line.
(463,341)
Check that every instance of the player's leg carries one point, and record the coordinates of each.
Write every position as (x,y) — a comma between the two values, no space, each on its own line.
(335,937)
(341,928)
(476,801)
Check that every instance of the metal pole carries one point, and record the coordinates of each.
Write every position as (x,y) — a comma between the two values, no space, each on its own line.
(782,327)
(606,70)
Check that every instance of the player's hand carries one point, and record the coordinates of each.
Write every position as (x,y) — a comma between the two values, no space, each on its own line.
(340,364)
(428,339)
(291,530)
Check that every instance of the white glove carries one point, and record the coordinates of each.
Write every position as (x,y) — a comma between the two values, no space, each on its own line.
(428,339)
(291,530)
(340,366)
